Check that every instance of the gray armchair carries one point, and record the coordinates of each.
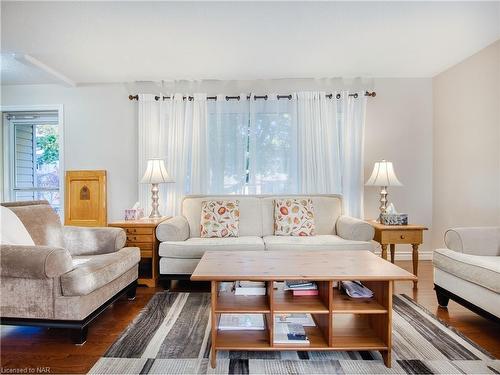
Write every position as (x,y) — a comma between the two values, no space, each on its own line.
(69,277)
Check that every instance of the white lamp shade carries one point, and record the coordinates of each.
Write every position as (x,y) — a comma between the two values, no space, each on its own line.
(156,172)
(383,175)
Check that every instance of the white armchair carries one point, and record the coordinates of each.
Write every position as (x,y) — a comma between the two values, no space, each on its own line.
(468,270)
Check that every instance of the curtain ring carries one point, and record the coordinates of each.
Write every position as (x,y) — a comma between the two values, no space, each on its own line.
(238,97)
(227,98)
(337,96)
(355,95)
(265,97)
(290,97)
(157,98)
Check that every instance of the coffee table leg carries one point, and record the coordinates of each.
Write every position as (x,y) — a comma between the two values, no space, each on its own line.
(384,251)
(415,262)
(213,357)
(393,251)
(387,357)
(213,325)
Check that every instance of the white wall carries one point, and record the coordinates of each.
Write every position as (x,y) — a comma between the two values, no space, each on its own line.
(100,133)
(399,129)
(467,143)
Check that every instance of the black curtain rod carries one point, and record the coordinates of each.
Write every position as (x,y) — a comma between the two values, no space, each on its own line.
(265,97)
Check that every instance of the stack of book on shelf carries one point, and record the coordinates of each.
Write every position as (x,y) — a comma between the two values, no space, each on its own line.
(241,322)
(355,289)
(302,287)
(243,288)
(250,288)
(289,328)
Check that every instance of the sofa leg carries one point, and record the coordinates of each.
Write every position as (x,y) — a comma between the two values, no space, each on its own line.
(79,335)
(131,292)
(442,298)
(166,284)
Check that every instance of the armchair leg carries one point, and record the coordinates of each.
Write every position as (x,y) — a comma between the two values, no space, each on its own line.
(442,298)
(79,335)
(131,292)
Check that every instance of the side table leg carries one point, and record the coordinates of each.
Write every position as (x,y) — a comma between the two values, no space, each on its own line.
(384,251)
(393,250)
(415,262)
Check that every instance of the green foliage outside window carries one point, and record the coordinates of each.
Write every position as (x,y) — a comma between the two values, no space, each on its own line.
(47,141)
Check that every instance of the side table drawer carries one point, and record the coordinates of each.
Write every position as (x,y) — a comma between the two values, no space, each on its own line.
(146,248)
(402,237)
(139,230)
(140,238)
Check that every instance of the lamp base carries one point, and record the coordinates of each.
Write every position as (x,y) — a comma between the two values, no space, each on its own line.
(383,202)
(155,213)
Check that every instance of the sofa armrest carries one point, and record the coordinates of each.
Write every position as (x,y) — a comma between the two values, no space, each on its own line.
(474,240)
(350,228)
(173,229)
(92,241)
(34,262)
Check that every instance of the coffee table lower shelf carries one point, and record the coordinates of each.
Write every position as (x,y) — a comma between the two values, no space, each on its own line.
(341,323)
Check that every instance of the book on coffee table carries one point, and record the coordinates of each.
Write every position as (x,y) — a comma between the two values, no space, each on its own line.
(250,288)
(289,333)
(305,320)
(241,322)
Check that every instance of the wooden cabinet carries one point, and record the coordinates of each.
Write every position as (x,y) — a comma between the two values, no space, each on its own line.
(85,199)
(142,234)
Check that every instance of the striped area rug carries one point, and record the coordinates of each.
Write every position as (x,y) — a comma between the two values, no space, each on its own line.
(172,336)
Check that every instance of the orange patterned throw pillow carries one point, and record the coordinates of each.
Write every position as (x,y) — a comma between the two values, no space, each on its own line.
(220,219)
(294,217)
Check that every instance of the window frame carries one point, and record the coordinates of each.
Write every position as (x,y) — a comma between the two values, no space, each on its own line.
(8,142)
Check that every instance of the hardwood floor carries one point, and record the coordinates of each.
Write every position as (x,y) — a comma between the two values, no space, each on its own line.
(51,351)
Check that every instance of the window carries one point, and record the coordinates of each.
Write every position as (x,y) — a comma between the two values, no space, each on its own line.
(252,146)
(33,157)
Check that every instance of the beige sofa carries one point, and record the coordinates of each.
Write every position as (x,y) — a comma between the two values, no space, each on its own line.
(181,247)
(69,276)
(468,270)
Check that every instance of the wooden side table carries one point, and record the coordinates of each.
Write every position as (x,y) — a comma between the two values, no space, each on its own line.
(393,235)
(142,234)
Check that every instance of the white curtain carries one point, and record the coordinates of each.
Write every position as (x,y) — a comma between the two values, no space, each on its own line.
(330,146)
(228,141)
(319,164)
(352,152)
(306,144)
(175,130)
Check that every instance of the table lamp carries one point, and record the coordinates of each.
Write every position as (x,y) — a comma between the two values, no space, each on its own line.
(383,175)
(155,174)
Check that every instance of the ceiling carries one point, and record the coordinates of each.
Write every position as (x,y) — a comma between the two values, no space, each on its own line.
(94,42)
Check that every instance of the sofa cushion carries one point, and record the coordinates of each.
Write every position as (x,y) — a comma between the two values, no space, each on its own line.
(250,213)
(196,247)
(220,219)
(481,270)
(178,266)
(320,242)
(327,209)
(97,271)
(294,217)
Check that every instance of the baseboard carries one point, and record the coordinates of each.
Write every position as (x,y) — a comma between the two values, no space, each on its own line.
(407,254)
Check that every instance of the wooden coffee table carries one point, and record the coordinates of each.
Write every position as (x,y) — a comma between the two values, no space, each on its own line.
(342,323)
